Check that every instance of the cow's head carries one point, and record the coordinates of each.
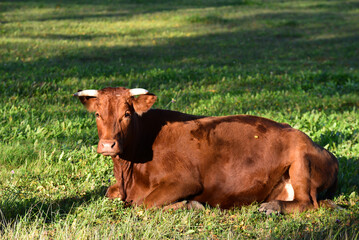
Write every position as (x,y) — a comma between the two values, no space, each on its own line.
(117,112)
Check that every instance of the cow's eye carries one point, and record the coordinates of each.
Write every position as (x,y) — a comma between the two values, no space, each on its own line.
(127,114)
(97,115)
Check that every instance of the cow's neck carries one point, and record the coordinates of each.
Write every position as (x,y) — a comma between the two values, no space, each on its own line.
(149,125)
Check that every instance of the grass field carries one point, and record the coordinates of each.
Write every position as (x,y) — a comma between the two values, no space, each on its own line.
(291,61)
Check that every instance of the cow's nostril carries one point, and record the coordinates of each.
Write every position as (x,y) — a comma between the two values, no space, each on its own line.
(108,146)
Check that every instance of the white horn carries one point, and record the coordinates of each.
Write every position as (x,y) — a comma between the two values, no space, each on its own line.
(86,93)
(137,91)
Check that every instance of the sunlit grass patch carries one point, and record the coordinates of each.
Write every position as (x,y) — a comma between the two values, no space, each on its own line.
(293,62)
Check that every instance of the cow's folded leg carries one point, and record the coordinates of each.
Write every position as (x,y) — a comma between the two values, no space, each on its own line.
(177,205)
(304,197)
(169,194)
(185,205)
(115,191)
(277,206)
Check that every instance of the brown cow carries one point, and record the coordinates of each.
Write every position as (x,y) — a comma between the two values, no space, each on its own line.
(164,157)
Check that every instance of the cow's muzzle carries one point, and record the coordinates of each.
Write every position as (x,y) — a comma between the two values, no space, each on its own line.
(108,147)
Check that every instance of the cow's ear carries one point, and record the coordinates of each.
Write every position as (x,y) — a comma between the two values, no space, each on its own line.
(90,103)
(144,102)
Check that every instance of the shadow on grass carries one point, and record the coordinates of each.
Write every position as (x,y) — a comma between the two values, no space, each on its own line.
(14,210)
(288,43)
(187,58)
(348,176)
(205,60)
(109,8)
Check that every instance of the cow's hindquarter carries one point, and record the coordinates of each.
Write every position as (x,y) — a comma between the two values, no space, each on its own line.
(243,162)
(312,169)
(240,163)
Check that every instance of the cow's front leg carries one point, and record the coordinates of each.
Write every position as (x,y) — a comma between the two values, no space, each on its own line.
(171,193)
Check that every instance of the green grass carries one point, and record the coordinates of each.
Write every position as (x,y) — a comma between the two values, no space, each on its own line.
(291,61)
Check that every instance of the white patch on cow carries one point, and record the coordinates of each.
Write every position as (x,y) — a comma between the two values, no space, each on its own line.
(290,191)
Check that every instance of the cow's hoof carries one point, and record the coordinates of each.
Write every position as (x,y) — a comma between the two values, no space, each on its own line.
(269,208)
(329,204)
(195,205)
(114,192)
(185,205)
(176,206)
